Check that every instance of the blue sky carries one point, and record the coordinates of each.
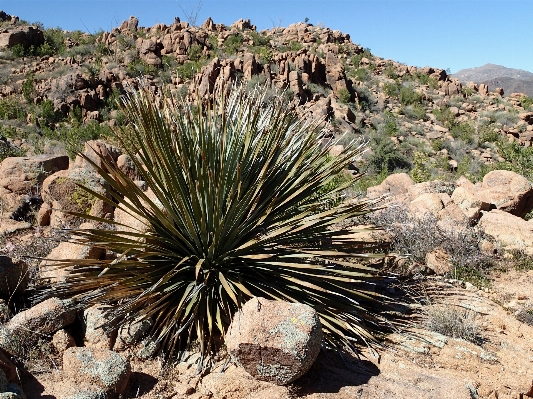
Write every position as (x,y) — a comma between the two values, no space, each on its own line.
(453,34)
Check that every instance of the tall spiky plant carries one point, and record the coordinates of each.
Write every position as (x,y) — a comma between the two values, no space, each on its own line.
(239,187)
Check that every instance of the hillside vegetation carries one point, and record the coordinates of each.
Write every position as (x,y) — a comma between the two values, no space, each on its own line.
(59,89)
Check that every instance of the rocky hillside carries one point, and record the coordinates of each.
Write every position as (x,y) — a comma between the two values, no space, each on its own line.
(509,79)
(454,158)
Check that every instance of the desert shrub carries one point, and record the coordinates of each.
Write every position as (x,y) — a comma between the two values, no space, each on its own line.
(47,112)
(386,156)
(506,118)
(463,131)
(519,159)
(525,315)
(445,116)
(7,150)
(425,79)
(195,52)
(408,96)
(392,89)
(189,69)
(365,97)
(84,50)
(414,112)
(75,136)
(10,108)
(390,71)
(360,74)
(255,82)
(54,39)
(265,54)
(415,237)
(453,322)
(314,88)
(356,59)
(259,39)
(526,102)
(344,95)
(251,227)
(420,171)
(295,46)
(138,67)
(487,133)
(233,43)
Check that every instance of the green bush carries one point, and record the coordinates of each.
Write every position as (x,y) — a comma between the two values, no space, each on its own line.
(526,102)
(517,158)
(425,79)
(445,116)
(75,136)
(390,71)
(10,108)
(47,112)
(344,95)
(488,133)
(463,131)
(265,54)
(415,112)
(259,40)
(295,46)
(408,96)
(250,227)
(138,67)
(233,43)
(189,69)
(195,52)
(420,172)
(7,150)
(386,156)
(361,74)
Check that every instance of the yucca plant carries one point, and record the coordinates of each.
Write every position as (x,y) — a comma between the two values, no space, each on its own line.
(241,188)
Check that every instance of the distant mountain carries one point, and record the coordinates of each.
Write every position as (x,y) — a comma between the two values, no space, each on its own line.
(509,79)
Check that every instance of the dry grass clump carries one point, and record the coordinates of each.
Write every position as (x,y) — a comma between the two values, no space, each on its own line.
(415,237)
(453,322)
(525,315)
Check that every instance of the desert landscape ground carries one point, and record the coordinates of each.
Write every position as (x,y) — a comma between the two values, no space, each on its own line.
(445,282)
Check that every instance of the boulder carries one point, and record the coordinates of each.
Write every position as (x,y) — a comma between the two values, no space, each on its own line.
(469,204)
(95,335)
(98,152)
(512,232)
(96,370)
(439,261)
(436,186)
(274,341)
(25,35)
(42,320)
(431,203)
(24,175)
(395,184)
(14,276)
(62,340)
(507,191)
(131,333)
(50,269)
(63,195)
(21,179)
(9,226)
(132,222)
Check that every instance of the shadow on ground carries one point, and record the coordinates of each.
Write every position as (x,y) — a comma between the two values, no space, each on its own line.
(331,372)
